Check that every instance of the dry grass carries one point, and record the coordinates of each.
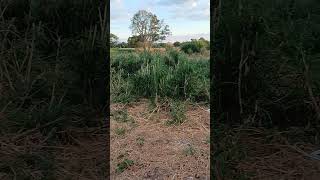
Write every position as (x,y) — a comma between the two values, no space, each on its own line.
(82,157)
(165,152)
(269,155)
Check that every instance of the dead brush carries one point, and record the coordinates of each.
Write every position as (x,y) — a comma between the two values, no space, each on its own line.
(41,91)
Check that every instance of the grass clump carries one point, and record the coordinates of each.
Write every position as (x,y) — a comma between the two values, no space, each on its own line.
(140,141)
(177,112)
(125,164)
(120,131)
(189,150)
(122,116)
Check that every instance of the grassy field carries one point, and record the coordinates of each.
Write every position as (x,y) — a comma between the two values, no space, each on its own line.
(156,75)
(159,115)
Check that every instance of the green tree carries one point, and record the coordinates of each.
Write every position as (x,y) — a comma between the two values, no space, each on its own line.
(176,44)
(133,41)
(113,40)
(148,27)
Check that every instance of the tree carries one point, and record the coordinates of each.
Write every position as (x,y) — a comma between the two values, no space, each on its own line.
(113,40)
(122,45)
(148,27)
(204,43)
(176,44)
(133,41)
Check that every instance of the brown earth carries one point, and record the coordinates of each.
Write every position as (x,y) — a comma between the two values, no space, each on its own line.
(268,155)
(159,151)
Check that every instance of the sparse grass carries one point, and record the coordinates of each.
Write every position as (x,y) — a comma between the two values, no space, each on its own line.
(125,164)
(189,150)
(207,140)
(140,141)
(122,155)
(177,112)
(120,131)
(122,116)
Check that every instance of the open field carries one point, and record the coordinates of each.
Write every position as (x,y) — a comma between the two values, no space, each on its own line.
(159,116)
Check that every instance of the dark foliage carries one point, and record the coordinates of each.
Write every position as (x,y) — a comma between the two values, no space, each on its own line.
(267,55)
(53,62)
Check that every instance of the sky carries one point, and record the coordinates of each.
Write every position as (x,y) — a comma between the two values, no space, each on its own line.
(187,19)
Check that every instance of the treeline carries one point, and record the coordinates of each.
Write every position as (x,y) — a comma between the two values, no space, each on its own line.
(267,63)
(189,47)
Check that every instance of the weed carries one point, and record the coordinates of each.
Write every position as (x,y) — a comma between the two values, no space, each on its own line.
(207,140)
(122,116)
(140,141)
(120,131)
(122,155)
(189,150)
(177,112)
(125,164)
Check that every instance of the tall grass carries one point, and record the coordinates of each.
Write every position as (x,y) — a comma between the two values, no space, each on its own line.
(52,77)
(267,62)
(43,69)
(171,74)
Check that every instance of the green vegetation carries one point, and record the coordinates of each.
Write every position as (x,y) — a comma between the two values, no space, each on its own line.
(125,164)
(122,116)
(151,75)
(52,78)
(266,75)
(140,141)
(147,28)
(189,150)
(48,78)
(120,131)
(177,112)
(270,52)
(195,46)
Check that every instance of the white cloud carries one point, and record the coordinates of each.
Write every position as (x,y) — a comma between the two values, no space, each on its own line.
(188,9)
(187,37)
(118,10)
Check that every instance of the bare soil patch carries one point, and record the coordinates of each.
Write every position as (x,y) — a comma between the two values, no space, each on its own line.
(150,149)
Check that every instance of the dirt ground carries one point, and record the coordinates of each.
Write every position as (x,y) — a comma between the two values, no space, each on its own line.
(84,157)
(147,148)
(279,158)
(262,154)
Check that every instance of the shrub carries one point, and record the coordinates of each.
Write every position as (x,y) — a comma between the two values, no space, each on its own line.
(195,46)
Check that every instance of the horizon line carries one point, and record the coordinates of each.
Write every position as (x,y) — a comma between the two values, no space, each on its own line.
(179,38)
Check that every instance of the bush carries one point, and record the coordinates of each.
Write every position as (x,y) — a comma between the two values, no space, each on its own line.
(195,46)
(176,44)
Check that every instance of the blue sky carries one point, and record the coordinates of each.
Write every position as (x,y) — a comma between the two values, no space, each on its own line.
(186,18)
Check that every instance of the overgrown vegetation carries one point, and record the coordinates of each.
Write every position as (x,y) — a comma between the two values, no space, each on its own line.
(267,62)
(52,75)
(195,46)
(266,75)
(158,75)
(177,112)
